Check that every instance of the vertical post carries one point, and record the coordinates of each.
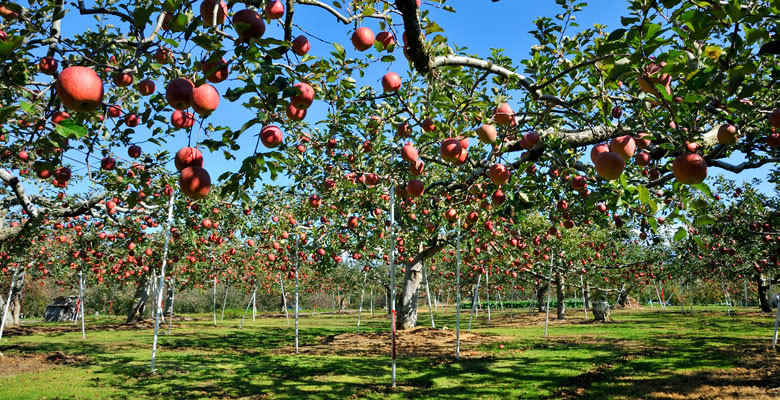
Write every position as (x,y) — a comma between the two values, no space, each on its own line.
(777,321)
(158,309)
(392,278)
(173,297)
(457,295)
(549,289)
(372,301)
(725,292)
(512,302)
(215,299)
(224,300)
(8,302)
(487,290)
(284,299)
(744,282)
(659,296)
(362,292)
(474,301)
(584,303)
(428,296)
(251,299)
(254,306)
(296,290)
(81,296)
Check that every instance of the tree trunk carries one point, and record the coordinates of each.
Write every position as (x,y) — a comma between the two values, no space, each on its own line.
(560,281)
(763,292)
(169,302)
(588,306)
(136,312)
(540,291)
(407,312)
(15,308)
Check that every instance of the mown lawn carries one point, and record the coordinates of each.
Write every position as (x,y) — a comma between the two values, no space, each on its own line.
(642,354)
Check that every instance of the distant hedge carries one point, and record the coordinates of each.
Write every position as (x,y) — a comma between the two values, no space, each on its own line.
(571,303)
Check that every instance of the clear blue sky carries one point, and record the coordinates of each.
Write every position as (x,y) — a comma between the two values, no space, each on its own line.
(477,25)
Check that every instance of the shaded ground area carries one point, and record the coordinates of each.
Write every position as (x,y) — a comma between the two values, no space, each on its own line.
(418,342)
(44,328)
(21,364)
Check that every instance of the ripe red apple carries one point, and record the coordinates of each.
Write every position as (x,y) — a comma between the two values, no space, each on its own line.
(609,165)
(689,169)
(195,182)
(642,159)
(579,183)
(387,40)
(205,99)
(303,100)
(415,188)
(727,134)
(530,140)
(295,114)
(271,136)
(163,55)
(79,88)
(363,38)
(499,174)
(48,65)
(182,119)
(59,116)
(315,201)
(146,87)
(352,222)
(216,72)
(450,214)
(428,125)
(274,9)
(642,143)
(774,118)
(248,24)
(409,152)
(300,45)
(417,167)
(391,82)
(498,197)
(598,149)
(114,111)
(132,120)
(503,114)
(450,149)
(107,163)
(207,9)
(134,151)
(188,157)
(623,146)
(773,140)
(487,134)
(122,79)
(62,174)
(179,93)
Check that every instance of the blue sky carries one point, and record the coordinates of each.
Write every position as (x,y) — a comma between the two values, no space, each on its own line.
(477,25)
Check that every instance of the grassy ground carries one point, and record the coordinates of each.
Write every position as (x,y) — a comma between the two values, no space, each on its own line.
(642,354)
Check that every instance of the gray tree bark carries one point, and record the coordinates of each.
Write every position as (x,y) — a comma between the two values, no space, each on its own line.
(407,314)
(763,292)
(588,304)
(560,282)
(15,308)
(136,312)
(540,291)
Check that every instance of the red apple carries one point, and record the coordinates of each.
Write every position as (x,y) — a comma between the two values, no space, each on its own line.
(642,143)
(274,9)
(689,169)
(642,159)
(122,79)
(79,89)
(207,9)
(499,174)
(417,167)
(179,93)
(295,114)
(62,174)
(195,182)
(132,120)
(450,149)
(216,72)
(415,188)
(428,125)
(134,151)
(409,152)
(386,39)
(609,165)
(727,134)
(598,149)
(146,87)
(182,119)
(188,157)
(249,24)
(773,140)
(391,82)
(271,136)
(59,116)
(624,146)
(363,38)
(114,111)
(503,114)
(48,65)
(163,55)
(108,163)
(303,100)
(300,45)
(205,99)
(487,134)
(774,118)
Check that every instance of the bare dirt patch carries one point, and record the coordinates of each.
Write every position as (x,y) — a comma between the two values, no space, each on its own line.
(20,364)
(417,342)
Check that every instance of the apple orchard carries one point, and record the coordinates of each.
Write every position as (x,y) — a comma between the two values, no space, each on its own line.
(592,163)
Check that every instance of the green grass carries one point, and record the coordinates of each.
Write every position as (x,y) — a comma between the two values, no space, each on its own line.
(626,358)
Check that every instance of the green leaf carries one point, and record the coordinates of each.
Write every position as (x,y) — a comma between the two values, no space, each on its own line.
(680,235)
(705,189)
(644,194)
(68,128)
(700,243)
(704,220)
(9,45)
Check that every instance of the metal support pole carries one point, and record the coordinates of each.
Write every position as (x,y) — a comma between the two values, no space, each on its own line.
(8,303)
(549,289)
(584,303)
(162,282)
(362,292)
(392,279)
(457,295)
(777,321)
(284,299)
(249,304)
(173,297)
(474,301)
(215,300)
(297,263)
(81,297)
(487,290)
